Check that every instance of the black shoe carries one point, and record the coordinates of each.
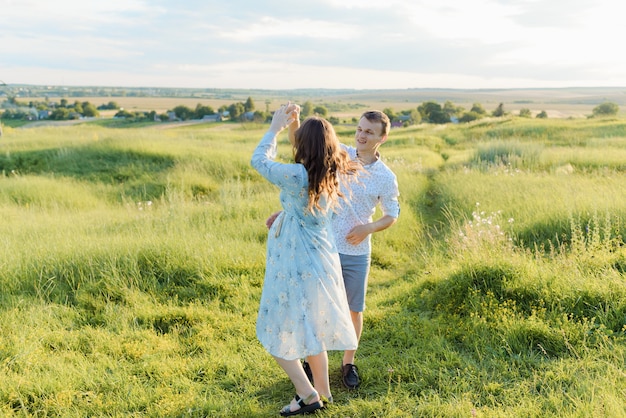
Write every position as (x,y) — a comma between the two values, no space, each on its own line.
(307,370)
(350,376)
(305,408)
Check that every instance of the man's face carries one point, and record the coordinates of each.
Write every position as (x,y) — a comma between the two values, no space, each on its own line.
(368,135)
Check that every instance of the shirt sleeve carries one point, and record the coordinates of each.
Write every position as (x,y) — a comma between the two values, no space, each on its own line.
(285,176)
(389,200)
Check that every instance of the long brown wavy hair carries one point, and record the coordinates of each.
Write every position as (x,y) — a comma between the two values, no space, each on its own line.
(317,148)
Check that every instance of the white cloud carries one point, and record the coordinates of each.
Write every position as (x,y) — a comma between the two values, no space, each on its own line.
(331,43)
(268,26)
(69,12)
(485,21)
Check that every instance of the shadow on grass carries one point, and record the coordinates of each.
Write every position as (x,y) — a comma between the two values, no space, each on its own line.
(495,307)
(136,172)
(91,281)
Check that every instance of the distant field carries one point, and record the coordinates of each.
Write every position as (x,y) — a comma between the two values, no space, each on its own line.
(558,103)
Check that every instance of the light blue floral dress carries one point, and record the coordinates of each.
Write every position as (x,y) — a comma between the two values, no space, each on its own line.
(303,309)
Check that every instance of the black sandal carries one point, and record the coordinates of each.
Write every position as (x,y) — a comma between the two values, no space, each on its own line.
(304,407)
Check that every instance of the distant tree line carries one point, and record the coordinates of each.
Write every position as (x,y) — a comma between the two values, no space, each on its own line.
(433,112)
(236,112)
(243,111)
(427,112)
(63,110)
(33,110)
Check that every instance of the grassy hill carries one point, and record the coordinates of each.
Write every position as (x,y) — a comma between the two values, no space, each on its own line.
(133,261)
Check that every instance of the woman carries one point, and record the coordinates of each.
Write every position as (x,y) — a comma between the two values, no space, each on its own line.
(303,310)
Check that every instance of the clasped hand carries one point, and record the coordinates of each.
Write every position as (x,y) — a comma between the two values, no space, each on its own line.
(283,117)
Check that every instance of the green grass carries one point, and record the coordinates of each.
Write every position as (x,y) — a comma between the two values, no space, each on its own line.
(133,262)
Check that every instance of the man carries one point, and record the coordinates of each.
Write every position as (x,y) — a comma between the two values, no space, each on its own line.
(353,222)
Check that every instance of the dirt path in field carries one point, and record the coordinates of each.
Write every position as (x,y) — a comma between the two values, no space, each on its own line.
(40,123)
(163,125)
(168,125)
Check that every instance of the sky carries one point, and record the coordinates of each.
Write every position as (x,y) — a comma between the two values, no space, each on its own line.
(332,44)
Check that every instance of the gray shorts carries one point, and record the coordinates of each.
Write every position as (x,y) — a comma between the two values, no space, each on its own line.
(355,269)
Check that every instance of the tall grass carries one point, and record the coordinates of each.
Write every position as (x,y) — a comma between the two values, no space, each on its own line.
(511,154)
(133,261)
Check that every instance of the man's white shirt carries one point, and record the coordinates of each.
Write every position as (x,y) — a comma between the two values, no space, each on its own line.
(376,186)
